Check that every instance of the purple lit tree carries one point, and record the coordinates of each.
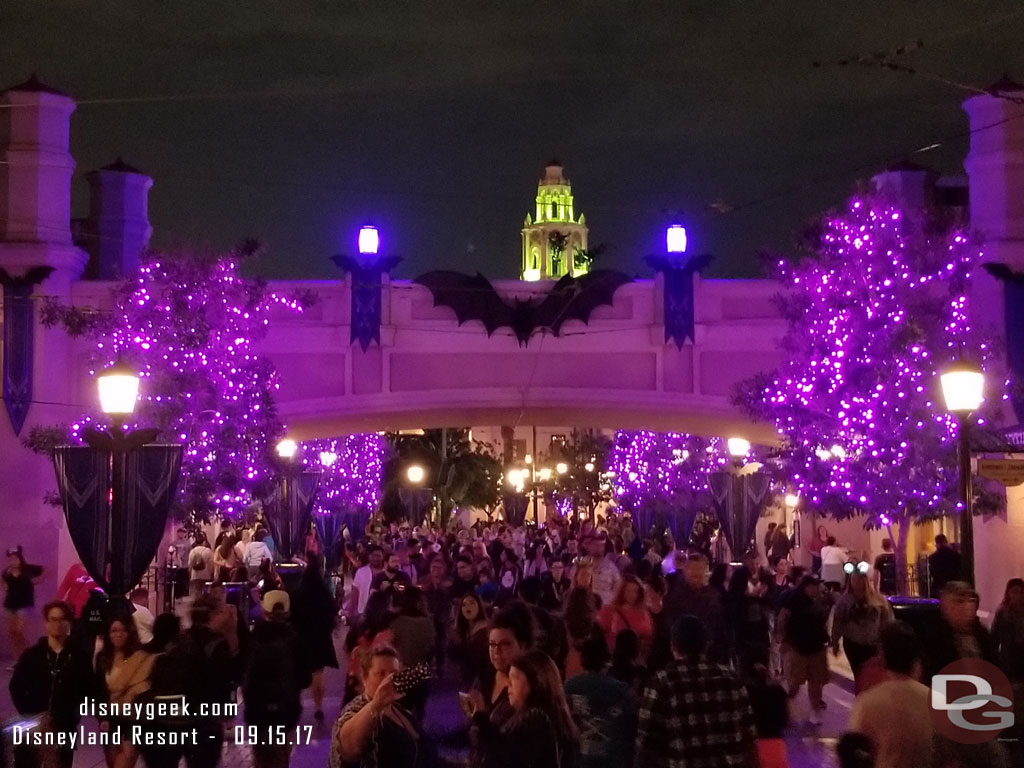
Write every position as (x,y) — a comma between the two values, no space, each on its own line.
(187,324)
(875,310)
(660,474)
(351,468)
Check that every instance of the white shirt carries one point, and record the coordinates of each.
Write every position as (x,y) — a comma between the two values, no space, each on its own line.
(361,581)
(832,561)
(143,618)
(202,555)
(255,552)
(606,580)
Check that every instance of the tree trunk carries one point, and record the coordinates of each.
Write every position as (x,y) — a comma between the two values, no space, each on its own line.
(899,542)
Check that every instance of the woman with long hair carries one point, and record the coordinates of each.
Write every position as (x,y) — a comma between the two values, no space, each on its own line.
(468,643)
(226,559)
(628,610)
(859,616)
(540,733)
(123,669)
(20,579)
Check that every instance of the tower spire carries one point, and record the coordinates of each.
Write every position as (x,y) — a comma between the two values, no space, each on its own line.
(552,238)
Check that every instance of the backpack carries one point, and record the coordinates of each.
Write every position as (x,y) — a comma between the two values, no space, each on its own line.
(273,678)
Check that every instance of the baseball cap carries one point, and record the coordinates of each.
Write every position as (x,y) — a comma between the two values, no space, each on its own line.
(276,599)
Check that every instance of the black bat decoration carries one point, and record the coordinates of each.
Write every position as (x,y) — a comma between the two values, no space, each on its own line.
(474,298)
(23,285)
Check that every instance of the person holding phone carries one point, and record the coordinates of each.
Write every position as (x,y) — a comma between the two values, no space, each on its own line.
(540,732)
(374,728)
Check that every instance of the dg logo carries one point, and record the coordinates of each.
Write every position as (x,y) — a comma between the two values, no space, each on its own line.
(971,701)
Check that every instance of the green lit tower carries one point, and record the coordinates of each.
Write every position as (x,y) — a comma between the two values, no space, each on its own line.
(553,236)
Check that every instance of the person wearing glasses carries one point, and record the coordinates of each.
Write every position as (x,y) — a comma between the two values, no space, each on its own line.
(50,681)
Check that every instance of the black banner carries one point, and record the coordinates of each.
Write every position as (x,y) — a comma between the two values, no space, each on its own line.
(366,296)
(738,501)
(116,506)
(678,298)
(292,510)
(19,342)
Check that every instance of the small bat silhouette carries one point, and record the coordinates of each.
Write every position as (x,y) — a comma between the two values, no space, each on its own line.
(22,286)
(474,298)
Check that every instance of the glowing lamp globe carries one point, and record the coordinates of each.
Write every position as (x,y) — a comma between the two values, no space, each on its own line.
(415,474)
(675,239)
(792,500)
(962,387)
(118,389)
(287,448)
(561,468)
(738,447)
(589,466)
(545,474)
(369,240)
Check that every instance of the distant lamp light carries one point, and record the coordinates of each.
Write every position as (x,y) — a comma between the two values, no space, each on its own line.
(287,448)
(327,458)
(675,239)
(738,447)
(792,500)
(545,473)
(963,387)
(561,468)
(118,388)
(369,240)
(415,474)
(528,459)
(589,466)
(838,451)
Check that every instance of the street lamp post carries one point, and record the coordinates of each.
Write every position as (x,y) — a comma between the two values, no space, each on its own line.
(117,492)
(963,387)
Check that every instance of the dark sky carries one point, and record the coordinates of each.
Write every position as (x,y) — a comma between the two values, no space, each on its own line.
(434,118)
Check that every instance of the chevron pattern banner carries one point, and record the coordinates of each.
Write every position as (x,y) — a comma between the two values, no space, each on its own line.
(116,506)
(19,342)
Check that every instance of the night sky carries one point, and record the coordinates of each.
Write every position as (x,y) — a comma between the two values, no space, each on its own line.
(297,121)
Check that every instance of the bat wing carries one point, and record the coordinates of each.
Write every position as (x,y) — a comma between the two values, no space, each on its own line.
(472,297)
(575,298)
(1003,272)
(32,277)
(346,263)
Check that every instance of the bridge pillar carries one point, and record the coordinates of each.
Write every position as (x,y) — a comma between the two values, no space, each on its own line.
(995,166)
(35,231)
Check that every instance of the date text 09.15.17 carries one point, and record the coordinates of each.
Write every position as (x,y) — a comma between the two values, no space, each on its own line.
(272,735)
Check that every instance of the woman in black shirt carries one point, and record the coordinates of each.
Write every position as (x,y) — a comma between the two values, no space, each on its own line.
(541,732)
(20,579)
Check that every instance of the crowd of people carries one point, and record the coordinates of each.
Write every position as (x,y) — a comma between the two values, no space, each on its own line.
(571,645)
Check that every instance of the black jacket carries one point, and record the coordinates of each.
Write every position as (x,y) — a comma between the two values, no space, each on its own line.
(44,681)
(942,649)
(275,676)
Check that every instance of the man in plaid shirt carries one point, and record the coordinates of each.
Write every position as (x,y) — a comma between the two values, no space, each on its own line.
(694,714)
